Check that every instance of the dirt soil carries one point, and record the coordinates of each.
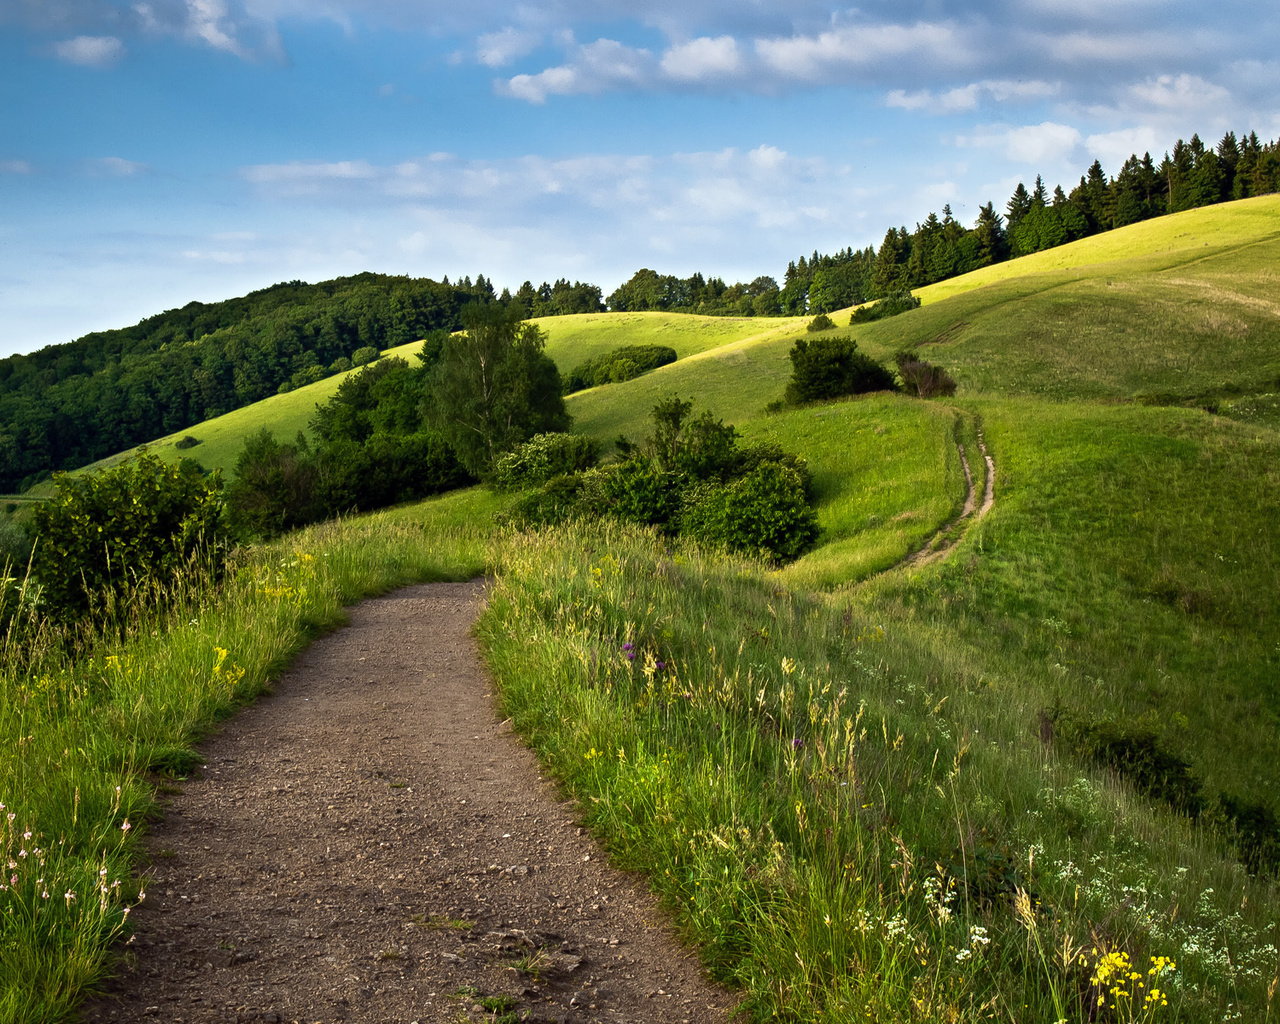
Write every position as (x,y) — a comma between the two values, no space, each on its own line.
(370,843)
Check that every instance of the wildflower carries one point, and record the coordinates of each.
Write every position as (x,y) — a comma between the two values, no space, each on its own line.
(126,826)
(69,895)
(628,646)
(797,743)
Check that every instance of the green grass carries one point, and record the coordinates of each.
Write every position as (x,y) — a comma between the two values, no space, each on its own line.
(1128,573)
(837,818)
(575,339)
(82,721)
(886,477)
(1188,325)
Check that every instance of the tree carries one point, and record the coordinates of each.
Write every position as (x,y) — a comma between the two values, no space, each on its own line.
(494,386)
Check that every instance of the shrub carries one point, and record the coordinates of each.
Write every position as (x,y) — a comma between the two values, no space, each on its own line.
(274,489)
(641,491)
(186,442)
(555,502)
(622,364)
(821,322)
(826,368)
(542,457)
(1136,754)
(890,305)
(765,512)
(364,355)
(103,534)
(923,379)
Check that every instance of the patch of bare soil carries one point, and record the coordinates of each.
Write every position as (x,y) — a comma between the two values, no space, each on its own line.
(369,843)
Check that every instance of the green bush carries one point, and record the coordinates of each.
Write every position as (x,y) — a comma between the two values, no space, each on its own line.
(621,364)
(890,305)
(187,442)
(641,491)
(827,368)
(274,489)
(542,457)
(821,322)
(103,534)
(765,512)
(364,355)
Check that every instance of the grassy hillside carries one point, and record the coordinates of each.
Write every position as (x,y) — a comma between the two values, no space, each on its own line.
(948,792)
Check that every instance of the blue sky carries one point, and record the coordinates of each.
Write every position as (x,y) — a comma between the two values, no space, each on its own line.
(158,151)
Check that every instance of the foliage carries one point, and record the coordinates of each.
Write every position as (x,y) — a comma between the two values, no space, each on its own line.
(924,380)
(68,405)
(494,387)
(542,457)
(274,487)
(826,368)
(104,534)
(821,322)
(622,364)
(362,356)
(649,290)
(764,512)
(890,305)
(186,442)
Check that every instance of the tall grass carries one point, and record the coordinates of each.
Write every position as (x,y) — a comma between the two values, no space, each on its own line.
(85,720)
(845,836)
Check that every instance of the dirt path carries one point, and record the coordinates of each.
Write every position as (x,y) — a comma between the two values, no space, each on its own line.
(946,538)
(370,844)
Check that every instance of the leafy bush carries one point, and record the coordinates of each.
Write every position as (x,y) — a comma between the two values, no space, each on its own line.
(923,379)
(890,305)
(639,490)
(187,442)
(821,322)
(366,354)
(274,488)
(103,534)
(542,457)
(621,364)
(15,545)
(826,368)
(280,487)
(765,512)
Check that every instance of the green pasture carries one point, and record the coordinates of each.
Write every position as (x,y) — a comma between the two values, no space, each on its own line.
(575,339)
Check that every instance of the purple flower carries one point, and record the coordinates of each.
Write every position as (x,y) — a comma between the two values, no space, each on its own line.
(631,655)
(797,743)
(661,665)
(628,647)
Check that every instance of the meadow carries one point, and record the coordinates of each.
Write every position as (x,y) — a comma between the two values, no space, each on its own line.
(865,792)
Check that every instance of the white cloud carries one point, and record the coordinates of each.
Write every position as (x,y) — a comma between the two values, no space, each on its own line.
(115,167)
(90,51)
(1041,143)
(594,68)
(1048,142)
(496,49)
(15,167)
(1185,94)
(951,102)
(1114,148)
(702,59)
(815,57)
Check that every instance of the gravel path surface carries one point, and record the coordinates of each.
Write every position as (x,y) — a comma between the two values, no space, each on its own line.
(370,843)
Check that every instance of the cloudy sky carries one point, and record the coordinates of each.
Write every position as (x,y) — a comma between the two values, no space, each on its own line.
(159,151)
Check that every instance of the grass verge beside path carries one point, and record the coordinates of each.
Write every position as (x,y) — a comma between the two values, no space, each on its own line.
(80,731)
(849,830)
